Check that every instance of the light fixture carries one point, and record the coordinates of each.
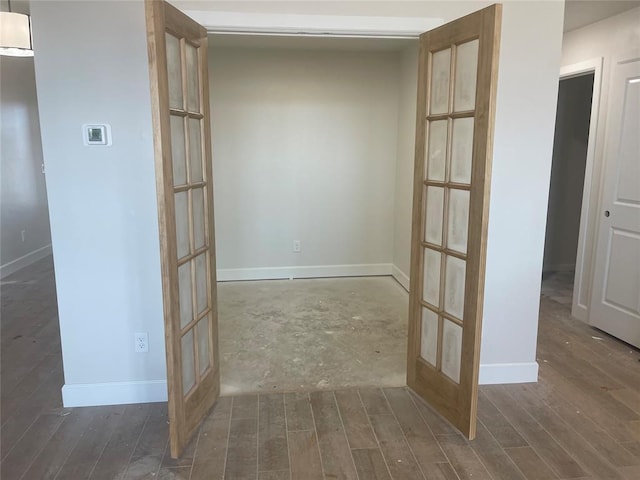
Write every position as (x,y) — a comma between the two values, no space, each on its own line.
(15,34)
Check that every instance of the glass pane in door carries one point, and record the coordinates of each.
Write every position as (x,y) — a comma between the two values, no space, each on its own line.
(178,154)
(188,362)
(174,70)
(193,93)
(464,90)
(195,150)
(440,77)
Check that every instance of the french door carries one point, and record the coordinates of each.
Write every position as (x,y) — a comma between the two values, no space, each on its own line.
(455,115)
(456,100)
(182,142)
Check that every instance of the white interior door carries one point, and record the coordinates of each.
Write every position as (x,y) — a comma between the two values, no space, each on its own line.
(615,300)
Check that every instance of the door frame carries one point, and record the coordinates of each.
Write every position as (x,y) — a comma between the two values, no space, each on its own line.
(314,25)
(591,192)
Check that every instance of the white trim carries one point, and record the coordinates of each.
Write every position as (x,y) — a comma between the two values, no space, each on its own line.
(325,25)
(116,393)
(401,277)
(590,191)
(313,271)
(24,261)
(499,373)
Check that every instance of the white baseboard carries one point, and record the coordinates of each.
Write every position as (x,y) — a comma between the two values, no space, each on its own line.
(401,277)
(498,373)
(560,267)
(116,393)
(25,260)
(314,271)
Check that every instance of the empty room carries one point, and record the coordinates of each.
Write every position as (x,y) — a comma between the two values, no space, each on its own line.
(306,135)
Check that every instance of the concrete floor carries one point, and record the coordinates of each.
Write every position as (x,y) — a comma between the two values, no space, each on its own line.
(283,335)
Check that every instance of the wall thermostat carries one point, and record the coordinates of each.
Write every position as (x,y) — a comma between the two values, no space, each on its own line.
(97,134)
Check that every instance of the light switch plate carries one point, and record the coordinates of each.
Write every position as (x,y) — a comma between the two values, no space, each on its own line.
(96,134)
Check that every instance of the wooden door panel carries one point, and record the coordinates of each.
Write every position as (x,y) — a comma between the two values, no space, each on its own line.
(180,112)
(456,103)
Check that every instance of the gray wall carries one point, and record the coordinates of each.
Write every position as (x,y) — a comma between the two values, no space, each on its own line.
(304,148)
(23,195)
(403,203)
(567,173)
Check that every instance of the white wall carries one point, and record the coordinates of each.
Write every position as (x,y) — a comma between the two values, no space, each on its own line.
(525,114)
(567,173)
(23,195)
(92,67)
(606,40)
(304,148)
(405,154)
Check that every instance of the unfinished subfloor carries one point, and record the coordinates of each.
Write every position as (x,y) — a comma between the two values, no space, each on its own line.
(288,335)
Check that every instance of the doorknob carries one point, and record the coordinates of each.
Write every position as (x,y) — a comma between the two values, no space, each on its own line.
(607,213)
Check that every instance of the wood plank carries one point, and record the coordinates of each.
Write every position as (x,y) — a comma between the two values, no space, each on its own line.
(277,475)
(115,457)
(272,434)
(298,411)
(574,444)
(211,451)
(370,464)
(493,457)
(423,443)
(244,406)
(436,422)
(442,471)
(530,464)
(497,424)
(154,437)
(176,473)
(222,408)
(305,456)
(332,440)
(29,446)
(374,401)
(85,455)
(395,448)
(462,457)
(242,453)
(143,468)
(601,441)
(355,420)
(570,393)
(52,457)
(544,444)
(185,460)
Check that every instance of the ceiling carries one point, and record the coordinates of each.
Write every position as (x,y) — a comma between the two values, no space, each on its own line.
(578,13)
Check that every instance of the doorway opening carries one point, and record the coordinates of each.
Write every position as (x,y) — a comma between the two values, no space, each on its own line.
(313,170)
(565,233)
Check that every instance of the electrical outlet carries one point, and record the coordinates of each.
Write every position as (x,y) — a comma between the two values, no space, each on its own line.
(297,247)
(141,342)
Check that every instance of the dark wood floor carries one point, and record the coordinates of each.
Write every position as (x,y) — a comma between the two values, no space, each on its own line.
(581,421)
